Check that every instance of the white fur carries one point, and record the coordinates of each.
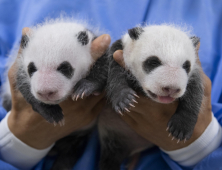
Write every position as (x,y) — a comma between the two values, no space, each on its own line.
(172,46)
(50,44)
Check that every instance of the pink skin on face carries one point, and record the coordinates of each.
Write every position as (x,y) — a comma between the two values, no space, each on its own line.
(165,99)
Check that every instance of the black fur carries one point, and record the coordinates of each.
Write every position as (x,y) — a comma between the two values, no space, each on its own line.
(66,69)
(120,82)
(96,81)
(134,33)
(186,66)
(7,102)
(69,149)
(181,124)
(195,40)
(31,69)
(113,152)
(83,37)
(151,63)
(24,41)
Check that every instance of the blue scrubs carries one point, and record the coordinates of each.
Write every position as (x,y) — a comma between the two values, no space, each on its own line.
(115,17)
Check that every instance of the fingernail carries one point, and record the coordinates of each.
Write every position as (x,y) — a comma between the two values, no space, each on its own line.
(105,40)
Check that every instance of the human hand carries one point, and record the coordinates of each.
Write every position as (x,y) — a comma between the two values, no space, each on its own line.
(35,131)
(149,119)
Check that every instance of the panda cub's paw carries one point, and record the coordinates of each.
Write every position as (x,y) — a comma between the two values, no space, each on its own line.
(52,113)
(85,88)
(181,127)
(123,100)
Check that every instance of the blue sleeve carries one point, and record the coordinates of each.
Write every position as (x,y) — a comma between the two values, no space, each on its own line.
(115,17)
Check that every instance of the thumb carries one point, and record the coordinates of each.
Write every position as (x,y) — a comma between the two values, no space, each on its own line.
(118,57)
(100,45)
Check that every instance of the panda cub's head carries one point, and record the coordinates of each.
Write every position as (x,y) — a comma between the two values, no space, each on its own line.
(55,56)
(162,58)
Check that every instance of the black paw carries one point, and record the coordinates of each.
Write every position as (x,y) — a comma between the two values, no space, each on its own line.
(51,113)
(85,88)
(181,127)
(123,100)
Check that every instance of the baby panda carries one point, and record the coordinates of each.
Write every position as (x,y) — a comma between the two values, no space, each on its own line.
(54,63)
(55,57)
(160,63)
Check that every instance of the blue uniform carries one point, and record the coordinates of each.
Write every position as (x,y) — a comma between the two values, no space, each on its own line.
(115,17)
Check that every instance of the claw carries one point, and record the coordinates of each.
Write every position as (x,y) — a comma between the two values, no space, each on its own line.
(173,138)
(131,105)
(185,140)
(169,135)
(135,101)
(77,97)
(73,97)
(178,141)
(120,113)
(127,110)
(83,94)
(62,122)
(54,123)
(136,95)
(167,128)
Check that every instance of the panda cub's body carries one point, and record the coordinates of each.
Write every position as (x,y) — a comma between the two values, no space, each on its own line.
(160,63)
(55,63)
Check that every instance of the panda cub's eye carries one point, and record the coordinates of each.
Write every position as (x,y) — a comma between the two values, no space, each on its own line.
(186,66)
(31,69)
(151,63)
(66,69)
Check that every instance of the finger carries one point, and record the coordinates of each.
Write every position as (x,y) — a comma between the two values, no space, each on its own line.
(118,57)
(100,45)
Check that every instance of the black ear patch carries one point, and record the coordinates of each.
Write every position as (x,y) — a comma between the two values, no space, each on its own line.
(83,38)
(195,40)
(151,63)
(66,69)
(24,41)
(31,69)
(134,33)
(186,66)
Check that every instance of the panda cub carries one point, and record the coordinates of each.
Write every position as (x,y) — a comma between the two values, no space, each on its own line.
(54,63)
(56,57)
(160,63)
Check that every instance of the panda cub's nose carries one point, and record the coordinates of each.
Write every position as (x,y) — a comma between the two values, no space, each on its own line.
(47,93)
(170,90)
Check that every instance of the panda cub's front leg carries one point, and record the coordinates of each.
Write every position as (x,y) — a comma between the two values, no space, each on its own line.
(119,92)
(182,123)
(95,82)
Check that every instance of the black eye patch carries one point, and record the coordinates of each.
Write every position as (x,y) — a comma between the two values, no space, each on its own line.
(66,69)
(31,69)
(186,66)
(151,63)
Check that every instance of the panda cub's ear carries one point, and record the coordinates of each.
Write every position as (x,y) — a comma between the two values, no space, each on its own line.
(24,41)
(83,37)
(195,40)
(134,33)
(196,43)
